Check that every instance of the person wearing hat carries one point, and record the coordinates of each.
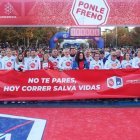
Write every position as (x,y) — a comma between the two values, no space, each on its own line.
(113,63)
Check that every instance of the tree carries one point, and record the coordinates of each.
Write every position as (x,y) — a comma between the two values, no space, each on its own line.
(136,36)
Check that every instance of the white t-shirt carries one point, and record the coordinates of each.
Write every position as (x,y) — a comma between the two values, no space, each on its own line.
(55,61)
(126,64)
(89,59)
(96,64)
(65,63)
(34,63)
(20,65)
(45,65)
(136,62)
(112,64)
(8,63)
(26,59)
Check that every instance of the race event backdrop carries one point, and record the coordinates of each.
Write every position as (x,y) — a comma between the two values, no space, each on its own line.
(65,85)
(69,12)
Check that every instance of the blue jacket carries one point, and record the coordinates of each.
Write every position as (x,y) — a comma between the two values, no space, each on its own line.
(75,65)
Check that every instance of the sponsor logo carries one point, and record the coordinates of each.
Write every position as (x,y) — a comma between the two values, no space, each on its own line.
(96,67)
(68,63)
(22,67)
(32,65)
(90,12)
(115,82)
(21,128)
(9,64)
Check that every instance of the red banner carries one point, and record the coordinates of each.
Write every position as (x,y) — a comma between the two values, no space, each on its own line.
(69,12)
(63,85)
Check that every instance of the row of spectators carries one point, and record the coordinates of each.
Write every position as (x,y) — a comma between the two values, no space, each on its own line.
(68,59)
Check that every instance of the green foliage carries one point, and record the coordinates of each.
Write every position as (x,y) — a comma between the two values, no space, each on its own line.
(41,35)
(122,36)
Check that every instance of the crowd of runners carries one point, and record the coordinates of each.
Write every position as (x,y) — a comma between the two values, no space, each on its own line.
(69,59)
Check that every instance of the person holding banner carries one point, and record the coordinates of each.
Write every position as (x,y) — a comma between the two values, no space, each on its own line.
(113,63)
(136,60)
(26,56)
(54,59)
(20,64)
(126,62)
(73,52)
(2,55)
(96,63)
(46,64)
(8,61)
(66,61)
(88,56)
(34,61)
(80,62)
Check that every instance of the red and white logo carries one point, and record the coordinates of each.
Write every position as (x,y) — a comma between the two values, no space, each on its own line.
(111,82)
(8,8)
(9,64)
(128,66)
(22,67)
(32,65)
(96,67)
(55,64)
(68,64)
(91,12)
(114,66)
(115,82)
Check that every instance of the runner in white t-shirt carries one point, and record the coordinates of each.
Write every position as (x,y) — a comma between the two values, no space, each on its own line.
(96,63)
(27,56)
(20,64)
(113,63)
(66,61)
(33,62)
(8,61)
(88,56)
(136,60)
(127,62)
(54,59)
